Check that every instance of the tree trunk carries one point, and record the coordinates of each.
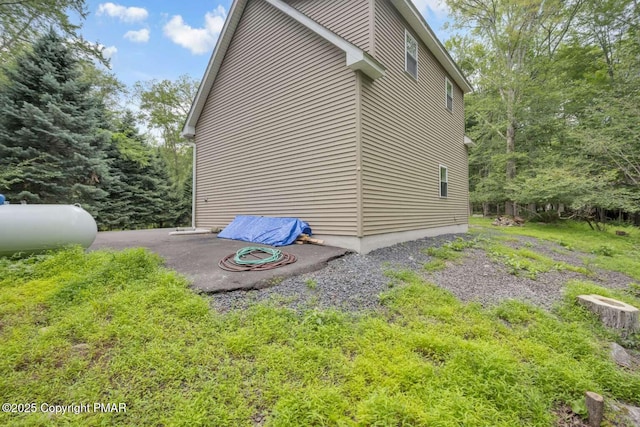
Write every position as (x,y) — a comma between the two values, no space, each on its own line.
(485,209)
(602,215)
(510,206)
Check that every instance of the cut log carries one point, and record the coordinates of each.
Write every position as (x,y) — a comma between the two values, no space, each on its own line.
(613,313)
(595,408)
(304,238)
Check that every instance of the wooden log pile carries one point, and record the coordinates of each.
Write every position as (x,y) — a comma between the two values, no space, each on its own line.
(505,221)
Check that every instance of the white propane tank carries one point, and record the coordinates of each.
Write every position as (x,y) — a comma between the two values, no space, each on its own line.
(37,228)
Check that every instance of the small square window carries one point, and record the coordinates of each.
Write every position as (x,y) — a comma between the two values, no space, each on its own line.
(444,181)
(410,54)
(449,94)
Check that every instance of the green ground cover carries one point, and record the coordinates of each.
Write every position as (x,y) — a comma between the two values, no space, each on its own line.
(528,262)
(115,327)
(611,252)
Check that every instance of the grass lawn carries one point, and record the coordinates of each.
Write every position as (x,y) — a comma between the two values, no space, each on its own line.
(116,327)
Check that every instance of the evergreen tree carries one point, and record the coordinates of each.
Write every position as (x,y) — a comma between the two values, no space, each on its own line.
(140,193)
(52,126)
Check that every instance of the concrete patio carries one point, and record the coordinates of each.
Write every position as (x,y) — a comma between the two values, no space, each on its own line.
(197,255)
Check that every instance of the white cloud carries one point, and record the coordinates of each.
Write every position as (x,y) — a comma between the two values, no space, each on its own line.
(439,7)
(140,36)
(197,40)
(125,14)
(108,52)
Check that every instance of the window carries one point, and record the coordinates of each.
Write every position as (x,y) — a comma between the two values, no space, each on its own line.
(449,94)
(410,54)
(444,181)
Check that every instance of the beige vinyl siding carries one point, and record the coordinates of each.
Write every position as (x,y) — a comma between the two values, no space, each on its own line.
(348,19)
(407,132)
(277,133)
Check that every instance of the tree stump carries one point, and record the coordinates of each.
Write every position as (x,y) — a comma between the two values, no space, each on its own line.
(613,313)
(595,408)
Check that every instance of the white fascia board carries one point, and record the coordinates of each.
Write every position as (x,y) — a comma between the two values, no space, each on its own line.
(189,129)
(357,59)
(426,34)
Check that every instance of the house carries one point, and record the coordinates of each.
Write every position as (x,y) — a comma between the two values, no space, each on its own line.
(346,114)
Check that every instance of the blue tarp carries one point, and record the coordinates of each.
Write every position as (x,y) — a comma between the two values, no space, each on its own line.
(265,230)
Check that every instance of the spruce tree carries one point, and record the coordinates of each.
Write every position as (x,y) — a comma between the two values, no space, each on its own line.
(52,127)
(140,194)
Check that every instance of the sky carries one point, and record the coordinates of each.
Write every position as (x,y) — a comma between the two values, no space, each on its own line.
(163,39)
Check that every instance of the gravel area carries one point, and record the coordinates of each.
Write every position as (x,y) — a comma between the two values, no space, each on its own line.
(482,280)
(610,279)
(354,282)
(351,283)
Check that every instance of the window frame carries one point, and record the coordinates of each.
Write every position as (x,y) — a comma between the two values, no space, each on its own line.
(407,35)
(442,167)
(447,85)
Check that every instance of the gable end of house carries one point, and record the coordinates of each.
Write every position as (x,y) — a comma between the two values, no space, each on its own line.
(356,58)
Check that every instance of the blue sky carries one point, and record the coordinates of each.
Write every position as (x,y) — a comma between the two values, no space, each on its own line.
(163,39)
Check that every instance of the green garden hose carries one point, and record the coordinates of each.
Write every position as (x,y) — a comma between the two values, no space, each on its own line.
(238,261)
(275,256)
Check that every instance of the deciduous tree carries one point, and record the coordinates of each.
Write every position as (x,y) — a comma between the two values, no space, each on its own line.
(164,106)
(23,21)
(514,35)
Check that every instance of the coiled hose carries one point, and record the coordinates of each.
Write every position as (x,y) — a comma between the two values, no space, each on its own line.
(239,261)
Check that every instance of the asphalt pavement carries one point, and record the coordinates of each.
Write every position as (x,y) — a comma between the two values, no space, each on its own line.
(197,255)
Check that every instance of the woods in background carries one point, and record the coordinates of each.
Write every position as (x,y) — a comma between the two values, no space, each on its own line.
(555,112)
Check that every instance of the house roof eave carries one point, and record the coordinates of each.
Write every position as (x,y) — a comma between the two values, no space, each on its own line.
(362,61)
(235,13)
(356,58)
(423,30)
(468,142)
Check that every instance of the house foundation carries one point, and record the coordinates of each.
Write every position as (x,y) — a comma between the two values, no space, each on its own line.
(366,244)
